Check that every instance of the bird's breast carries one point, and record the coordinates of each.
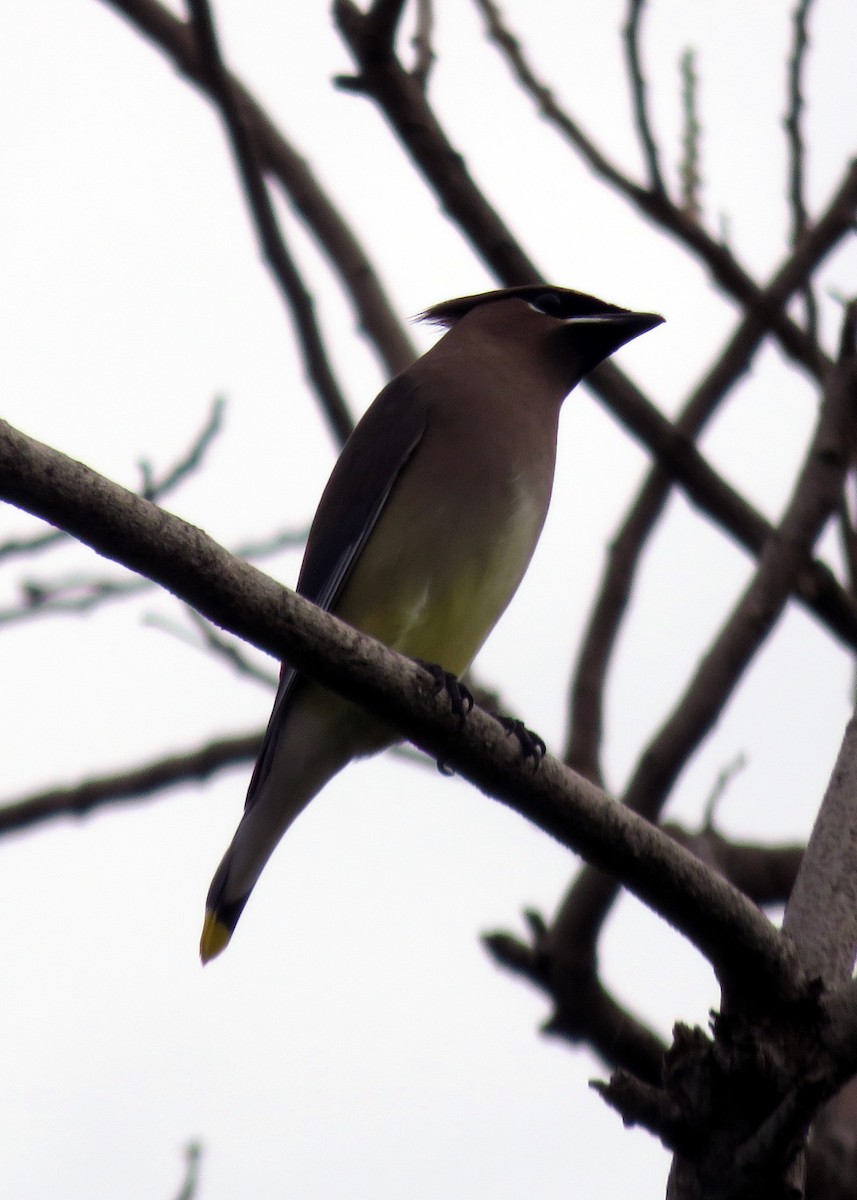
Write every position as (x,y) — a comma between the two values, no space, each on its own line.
(444,560)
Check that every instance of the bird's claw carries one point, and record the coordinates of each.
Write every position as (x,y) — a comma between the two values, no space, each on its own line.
(460,698)
(532,746)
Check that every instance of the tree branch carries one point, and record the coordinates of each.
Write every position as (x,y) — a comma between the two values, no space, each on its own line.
(722,265)
(283,266)
(278,158)
(638,93)
(584,1010)
(152,488)
(626,548)
(815,497)
(797,149)
(75,595)
(748,954)
(191,766)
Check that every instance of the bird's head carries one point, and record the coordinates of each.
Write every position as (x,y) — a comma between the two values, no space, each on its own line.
(578,330)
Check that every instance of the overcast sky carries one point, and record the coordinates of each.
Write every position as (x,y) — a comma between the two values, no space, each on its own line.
(355,1040)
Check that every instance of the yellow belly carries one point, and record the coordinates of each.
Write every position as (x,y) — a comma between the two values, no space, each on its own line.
(436,593)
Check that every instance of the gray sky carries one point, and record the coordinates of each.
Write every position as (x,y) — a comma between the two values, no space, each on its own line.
(355,1040)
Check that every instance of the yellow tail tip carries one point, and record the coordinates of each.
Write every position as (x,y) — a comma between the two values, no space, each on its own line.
(215,937)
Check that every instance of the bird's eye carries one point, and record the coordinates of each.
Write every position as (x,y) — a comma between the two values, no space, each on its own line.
(548,303)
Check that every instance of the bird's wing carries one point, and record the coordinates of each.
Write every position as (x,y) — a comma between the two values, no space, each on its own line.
(361,481)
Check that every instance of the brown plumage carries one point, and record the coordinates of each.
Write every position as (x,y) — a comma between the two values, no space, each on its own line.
(424,531)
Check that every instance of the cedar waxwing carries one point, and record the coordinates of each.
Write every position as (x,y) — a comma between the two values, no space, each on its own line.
(423,533)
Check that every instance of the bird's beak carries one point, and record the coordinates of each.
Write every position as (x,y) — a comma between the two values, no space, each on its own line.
(634,322)
(598,336)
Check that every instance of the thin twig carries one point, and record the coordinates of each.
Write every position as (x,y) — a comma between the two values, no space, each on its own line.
(24,547)
(227,650)
(190,1183)
(638,92)
(689,170)
(76,595)
(192,460)
(717,257)
(404,104)
(137,783)
(724,777)
(292,288)
(152,489)
(793,119)
(626,549)
(279,158)
(73,596)
(797,147)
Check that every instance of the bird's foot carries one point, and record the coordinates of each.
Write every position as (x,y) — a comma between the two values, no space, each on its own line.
(532,746)
(460,698)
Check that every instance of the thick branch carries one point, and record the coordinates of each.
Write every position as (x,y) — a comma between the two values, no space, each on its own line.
(821,916)
(765,874)
(815,497)
(744,948)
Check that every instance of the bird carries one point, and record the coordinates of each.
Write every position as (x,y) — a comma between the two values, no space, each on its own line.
(423,533)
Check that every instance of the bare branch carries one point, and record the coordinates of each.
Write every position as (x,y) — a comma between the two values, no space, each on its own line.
(821,916)
(138,783)
(747,952)
(189,766)
(764,873)
(193,1154)
(25,546)
(278,158)
(815,497)
(382,21)
(797,149)
(546,102)
(646,1105)
(214,643)
(724,268)
(626,549)
(638,92)
(422,43)
(584,1011)
(192,460)
(72,596)
(384,79)
(721,785)
(153,488)
(689,165)
(797,152)
(291,284)
(76,595)
(680,460)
